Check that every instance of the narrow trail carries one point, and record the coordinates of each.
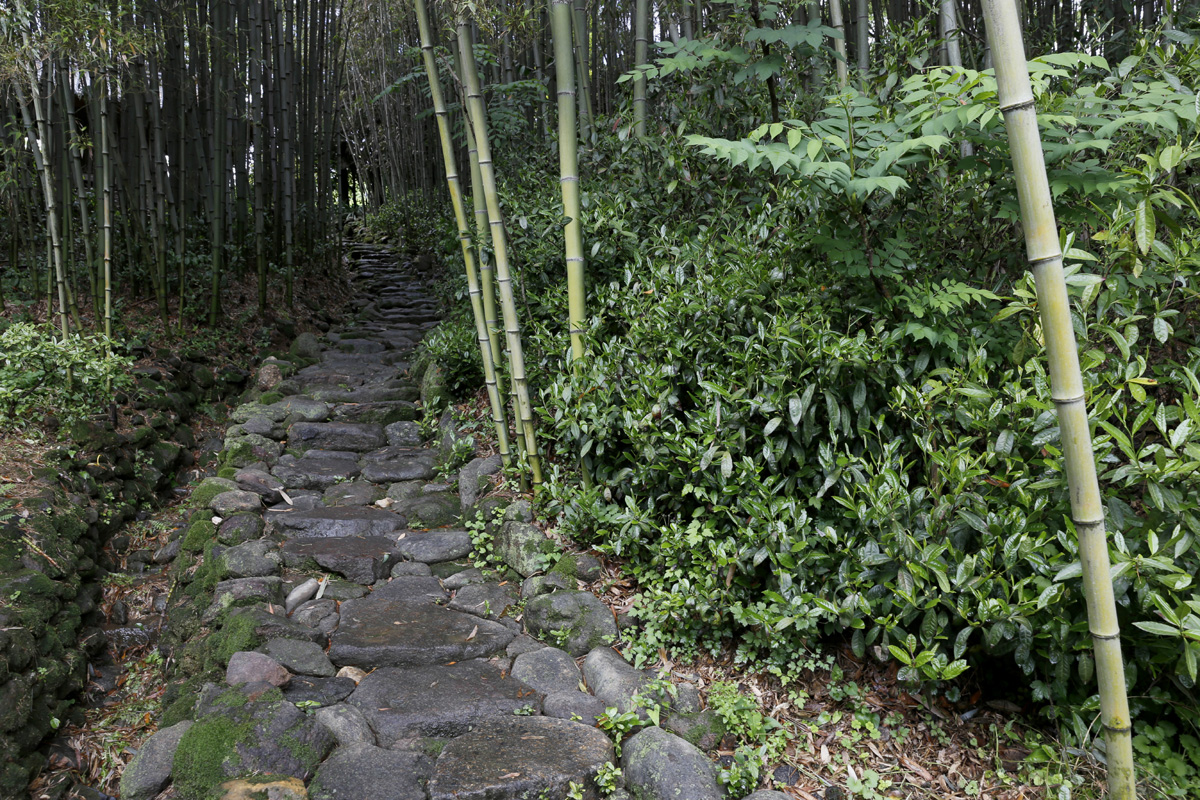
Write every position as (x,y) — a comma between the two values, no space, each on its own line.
(363,654)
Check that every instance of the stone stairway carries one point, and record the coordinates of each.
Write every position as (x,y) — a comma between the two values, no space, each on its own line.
(354,651)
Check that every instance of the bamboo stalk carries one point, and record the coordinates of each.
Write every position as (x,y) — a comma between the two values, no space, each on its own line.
(640,51)
(464,234)
(1066,382)
(508,304)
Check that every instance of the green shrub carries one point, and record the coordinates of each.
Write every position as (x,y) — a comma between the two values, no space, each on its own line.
(41,373)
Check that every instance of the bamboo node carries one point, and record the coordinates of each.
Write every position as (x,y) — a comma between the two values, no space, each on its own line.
(1105,637)
(1064,401)
(1017,106)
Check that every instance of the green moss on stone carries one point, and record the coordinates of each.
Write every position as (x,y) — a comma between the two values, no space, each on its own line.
(209,488)
(204,750)
(199,534)
(268,398)
(227,472)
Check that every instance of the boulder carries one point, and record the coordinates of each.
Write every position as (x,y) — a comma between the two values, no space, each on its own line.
(363,771)
(660,766)
(548,670)
(150,770)
(575,621)
(523,547)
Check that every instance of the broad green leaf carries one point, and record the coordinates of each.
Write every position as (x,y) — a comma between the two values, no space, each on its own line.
(1143,226)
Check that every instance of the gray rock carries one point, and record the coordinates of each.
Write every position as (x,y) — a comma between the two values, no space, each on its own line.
(440,701)
(523,547)
(304,591)
(575,621)
(260,425)
(249,667)
(271,626)
(519,511)
(548,670)
(240,528)
(521,757)
(317,692)
(612,679)
(429,510)
(378,631)
(321,615)
(251,559)
(337,522)
(473,479)
(355,493)
(660,766)
(306,346)
(262,483)
(347,724)
(362,559)
(380,412)
(300,658)
(587,567)
(364,772)
(545,584)
(237,500)
(412,589)
(268,589)
(702,728)
(766,794)
(299,408)
(147,774)
(345,436)
(573,704)
(403,434)
(487,600)
(316,469)
(412,568)
(248,411)
(431,547)
(405,489)
(392,464)
(465,578)
(523,643)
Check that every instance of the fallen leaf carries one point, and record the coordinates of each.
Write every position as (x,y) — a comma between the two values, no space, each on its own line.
(474,631)
(824,754)
(510,775)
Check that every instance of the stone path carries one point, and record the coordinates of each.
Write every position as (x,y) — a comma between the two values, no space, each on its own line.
(354,650)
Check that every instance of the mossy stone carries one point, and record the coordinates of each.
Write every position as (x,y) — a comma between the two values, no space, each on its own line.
(227,472)
(199,766)
(199,534)
(267,398)
(209,488)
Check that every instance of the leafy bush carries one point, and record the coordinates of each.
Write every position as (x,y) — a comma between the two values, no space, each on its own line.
(453,347)
(40,373)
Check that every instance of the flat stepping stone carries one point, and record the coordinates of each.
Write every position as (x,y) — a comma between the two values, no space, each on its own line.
(316,469)
(391,464)
(487,600)
(356,493)
(354,437)
(300,408)
(384,413)
(320,691)
(383,632)
(371,773)
(412,589)
(362,559)
(276,626)
(251,559)
(429,509)
(548,670)
(578,619)
(439,701)
(431,547)
(518,758)
(336,522)
(299,657)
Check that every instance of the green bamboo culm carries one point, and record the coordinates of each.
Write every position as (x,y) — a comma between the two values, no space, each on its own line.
(640,53)
(1066,383)
(464,233)
(568,168)
(508,305)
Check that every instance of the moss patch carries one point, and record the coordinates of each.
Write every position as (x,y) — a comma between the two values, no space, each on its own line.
(199,535)
(205,748)
(209,488)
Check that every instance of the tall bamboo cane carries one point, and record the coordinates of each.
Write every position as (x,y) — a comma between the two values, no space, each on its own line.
(508,305)
(464,234)
(641,18)
(1066,382)
(839,44)
(568,167)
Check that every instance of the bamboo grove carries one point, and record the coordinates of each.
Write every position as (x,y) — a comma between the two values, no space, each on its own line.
(163,148)
(581,68)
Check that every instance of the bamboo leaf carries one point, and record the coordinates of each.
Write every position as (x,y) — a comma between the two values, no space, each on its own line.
(1143,226)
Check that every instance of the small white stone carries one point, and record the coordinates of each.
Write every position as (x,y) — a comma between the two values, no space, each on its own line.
(217,520)
(353,673)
